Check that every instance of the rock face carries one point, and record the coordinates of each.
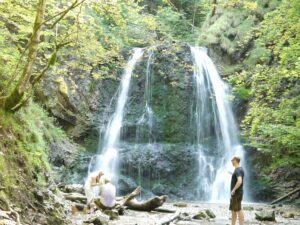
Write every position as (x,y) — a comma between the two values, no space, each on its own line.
(155,167)
(74,97)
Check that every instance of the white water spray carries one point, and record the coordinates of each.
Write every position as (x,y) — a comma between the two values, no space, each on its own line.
(213,116)
(107,161)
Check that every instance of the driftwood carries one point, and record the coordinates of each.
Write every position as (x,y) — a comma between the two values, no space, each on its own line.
(147,205)
(168,219)
(75,197)
(285,196)
(163,210)
(127,201)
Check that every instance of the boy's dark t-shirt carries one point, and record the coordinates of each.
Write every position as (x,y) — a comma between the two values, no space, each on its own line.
(238,172)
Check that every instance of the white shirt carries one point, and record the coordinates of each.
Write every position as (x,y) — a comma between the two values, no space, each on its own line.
(108,195)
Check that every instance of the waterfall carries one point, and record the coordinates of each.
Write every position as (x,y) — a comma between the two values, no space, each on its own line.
(146,119)
(108,159)
(213,118)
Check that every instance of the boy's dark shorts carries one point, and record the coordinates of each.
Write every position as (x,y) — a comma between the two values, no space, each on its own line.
(236,202)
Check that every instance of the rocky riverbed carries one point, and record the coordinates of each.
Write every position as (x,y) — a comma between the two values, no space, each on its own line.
(54,208)
(189,210)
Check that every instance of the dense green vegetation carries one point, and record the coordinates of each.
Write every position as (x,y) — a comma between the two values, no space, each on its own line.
(270,81)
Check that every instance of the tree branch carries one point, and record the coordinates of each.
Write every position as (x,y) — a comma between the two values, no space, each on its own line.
(62,14)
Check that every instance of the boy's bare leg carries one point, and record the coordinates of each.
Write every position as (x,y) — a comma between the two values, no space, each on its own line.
(241,217)
(233,217)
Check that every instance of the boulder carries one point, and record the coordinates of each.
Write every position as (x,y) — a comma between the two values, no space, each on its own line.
(200,215)
(265,215)
(210,213)
(112,213)
(98,218)
(288,215)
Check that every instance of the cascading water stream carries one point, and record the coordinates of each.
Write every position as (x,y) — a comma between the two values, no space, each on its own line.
(214,118)
(107,161)
(146,119)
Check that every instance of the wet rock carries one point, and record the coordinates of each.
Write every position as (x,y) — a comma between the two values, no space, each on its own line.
(180,204)
(98,218)
(62,153)
(265,215)
(288,215)
(185,216)
(171,174)
(200,215)
(210,213)
(113,214)
(126,184)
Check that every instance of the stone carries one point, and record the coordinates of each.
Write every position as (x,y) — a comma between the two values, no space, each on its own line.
(185,217)
(39,196)
(265,215)
(210,213)
(98,218)
(288,215)
(180,204)
(200,215)
(7,222)
(112,213)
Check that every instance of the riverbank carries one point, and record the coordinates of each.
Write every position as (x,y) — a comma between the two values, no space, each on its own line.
(220,210)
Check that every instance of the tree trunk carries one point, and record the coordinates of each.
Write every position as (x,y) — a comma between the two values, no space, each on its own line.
(18,93)
(214,3)
(285,196)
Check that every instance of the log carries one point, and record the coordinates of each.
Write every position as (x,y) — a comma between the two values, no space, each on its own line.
(130,196)
(121,201)
(128,201)
(285,196)
(168,219)
(75,197)
(147,205)
(163,210)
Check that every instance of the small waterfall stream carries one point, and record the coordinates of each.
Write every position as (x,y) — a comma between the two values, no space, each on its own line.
(144,131)
(107,161)
(213,117)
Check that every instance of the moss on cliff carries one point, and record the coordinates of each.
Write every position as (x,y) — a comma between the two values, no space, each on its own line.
(23,152)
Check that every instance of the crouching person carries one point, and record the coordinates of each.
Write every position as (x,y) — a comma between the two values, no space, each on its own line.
(107,199)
